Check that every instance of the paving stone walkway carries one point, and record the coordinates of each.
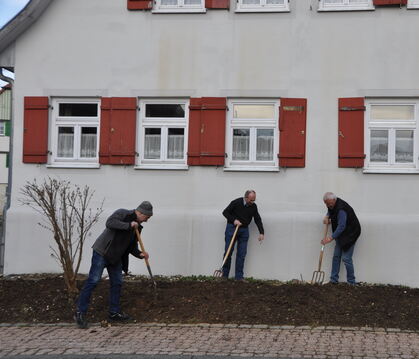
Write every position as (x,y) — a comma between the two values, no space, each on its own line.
(205,340)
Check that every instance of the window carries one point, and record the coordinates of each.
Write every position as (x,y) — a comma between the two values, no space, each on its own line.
(2,128)
(75,133)
(262,5)
(179,6)
(252,135)
(413,4)
(336,5)
(391,136)
(163,134)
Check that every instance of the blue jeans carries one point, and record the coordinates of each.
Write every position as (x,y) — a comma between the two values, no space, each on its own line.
(95,274)
(241,239)
(346,257)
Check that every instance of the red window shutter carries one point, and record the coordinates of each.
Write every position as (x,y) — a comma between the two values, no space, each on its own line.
(207,118)
(35,130)
(389,2)
(292,127)
(139,4)
(118,130)
(217,4)
(105,123)
(351,132)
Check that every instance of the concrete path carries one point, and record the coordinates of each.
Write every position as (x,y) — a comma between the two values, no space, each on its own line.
(204,341)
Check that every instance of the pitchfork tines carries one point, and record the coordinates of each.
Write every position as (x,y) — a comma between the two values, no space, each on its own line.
(318,275)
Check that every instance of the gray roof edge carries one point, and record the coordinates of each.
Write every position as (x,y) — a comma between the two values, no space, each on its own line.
(21,22)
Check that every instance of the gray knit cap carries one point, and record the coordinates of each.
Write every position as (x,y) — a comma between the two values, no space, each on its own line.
(145,208)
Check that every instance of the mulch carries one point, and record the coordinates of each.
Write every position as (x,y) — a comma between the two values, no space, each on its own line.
(44,299)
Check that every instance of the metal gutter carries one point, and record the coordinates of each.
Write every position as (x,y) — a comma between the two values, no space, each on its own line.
(9,179)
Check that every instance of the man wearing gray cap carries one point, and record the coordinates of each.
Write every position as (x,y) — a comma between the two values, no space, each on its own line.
(116,242)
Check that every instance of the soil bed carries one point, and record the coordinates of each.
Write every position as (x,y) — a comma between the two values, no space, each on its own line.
(43,299)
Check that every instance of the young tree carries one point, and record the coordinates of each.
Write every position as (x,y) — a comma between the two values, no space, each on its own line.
(66,213)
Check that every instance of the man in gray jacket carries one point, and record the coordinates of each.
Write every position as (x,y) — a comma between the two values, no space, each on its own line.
(115,243)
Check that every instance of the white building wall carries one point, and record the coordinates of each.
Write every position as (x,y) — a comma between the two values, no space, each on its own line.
(98,48)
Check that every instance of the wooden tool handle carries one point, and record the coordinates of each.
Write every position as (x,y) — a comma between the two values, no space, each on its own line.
(326,228)
(140,242)
(231,244)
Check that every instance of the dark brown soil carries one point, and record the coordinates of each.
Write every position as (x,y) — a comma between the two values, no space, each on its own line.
(43,299)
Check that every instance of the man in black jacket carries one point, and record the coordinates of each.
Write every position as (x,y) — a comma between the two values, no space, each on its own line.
(240,213)
(346,230)
(115,243)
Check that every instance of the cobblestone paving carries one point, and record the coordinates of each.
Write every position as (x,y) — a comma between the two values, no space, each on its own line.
(208,340)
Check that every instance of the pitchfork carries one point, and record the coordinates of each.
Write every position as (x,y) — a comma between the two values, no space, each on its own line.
(318,275)
(145,259)
(219,272)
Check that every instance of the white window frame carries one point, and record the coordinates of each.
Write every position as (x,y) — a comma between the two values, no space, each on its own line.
(346,6)
(391,166)
(413,4)
(253,125)
(262,7)
(77,123)
(180,7)
(2,128)
(164,124)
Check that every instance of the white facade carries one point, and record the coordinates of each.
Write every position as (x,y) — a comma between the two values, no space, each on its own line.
(89,49)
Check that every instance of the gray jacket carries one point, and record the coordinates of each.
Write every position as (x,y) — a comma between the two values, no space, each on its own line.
(118,237)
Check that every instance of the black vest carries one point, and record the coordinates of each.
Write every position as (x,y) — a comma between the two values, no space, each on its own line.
(353,227)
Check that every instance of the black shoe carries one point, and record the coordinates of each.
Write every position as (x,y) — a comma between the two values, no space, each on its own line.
(80,319)
(118,317)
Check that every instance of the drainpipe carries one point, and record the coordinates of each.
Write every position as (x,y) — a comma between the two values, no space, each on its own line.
(9,180)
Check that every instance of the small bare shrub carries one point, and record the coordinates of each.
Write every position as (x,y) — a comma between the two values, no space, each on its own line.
(66,213)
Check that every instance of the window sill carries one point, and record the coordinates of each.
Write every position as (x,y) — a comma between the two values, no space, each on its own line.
(331,9)
(267,9)
(162,167)
(251,169)
(179,11)
(391,170)
(73,165)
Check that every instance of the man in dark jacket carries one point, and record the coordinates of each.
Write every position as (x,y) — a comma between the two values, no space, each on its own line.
(346,230)
(240,213)
(112,246)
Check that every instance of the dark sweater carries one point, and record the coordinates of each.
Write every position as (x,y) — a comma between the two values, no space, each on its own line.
(237,210)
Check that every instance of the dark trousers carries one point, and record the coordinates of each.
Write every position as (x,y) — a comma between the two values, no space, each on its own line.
(241,240)
(95,274)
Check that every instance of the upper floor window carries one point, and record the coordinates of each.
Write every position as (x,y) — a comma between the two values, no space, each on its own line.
(179,6)
(336,5)
(74,132)
(162,140)
(413,4)
(262,5)
(391,134)
(252,135)
(2,128)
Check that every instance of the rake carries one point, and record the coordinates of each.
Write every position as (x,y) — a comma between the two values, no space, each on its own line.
(140,242)
(318,275)
(219,272)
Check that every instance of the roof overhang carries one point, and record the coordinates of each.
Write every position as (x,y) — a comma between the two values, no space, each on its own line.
(16,27)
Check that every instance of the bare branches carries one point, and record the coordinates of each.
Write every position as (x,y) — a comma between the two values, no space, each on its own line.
(66,212)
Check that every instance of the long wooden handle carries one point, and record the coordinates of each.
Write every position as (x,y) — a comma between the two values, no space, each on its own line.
(140,242)
(326,228)
(231,245)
